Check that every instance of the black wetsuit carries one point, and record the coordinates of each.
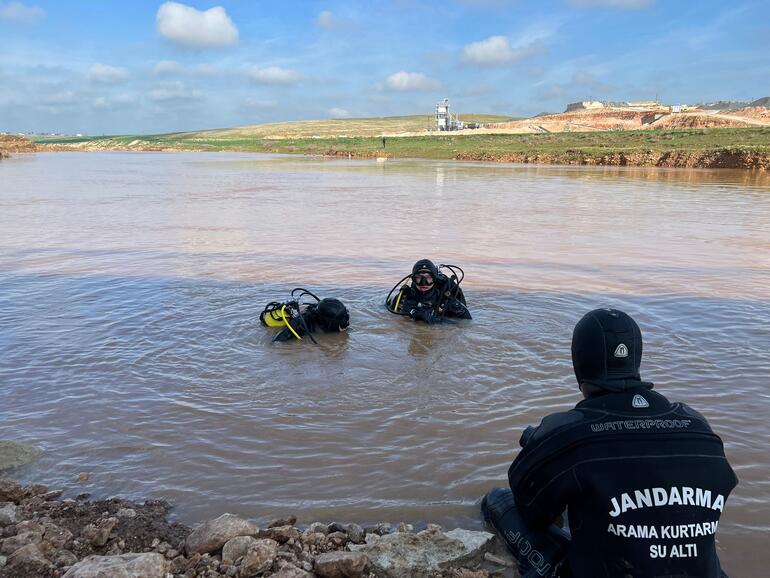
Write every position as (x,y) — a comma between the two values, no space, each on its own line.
(445,299)
(644,482)
(308,324)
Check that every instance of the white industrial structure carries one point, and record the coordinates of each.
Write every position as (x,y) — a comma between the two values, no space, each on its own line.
(444,120)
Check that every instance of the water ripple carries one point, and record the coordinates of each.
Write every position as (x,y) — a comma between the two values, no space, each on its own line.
(130,288)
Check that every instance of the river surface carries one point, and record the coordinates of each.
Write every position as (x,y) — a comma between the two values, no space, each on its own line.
(130,347)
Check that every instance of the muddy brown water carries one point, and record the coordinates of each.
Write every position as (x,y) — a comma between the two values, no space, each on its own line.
(130,286)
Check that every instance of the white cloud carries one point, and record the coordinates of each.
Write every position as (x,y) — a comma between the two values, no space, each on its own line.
(584,85)
(167,67)
(58,103)
(335,112)
(330,21)
(404,81)
(273,75)
(193,28)
(107,74)
(497,51)
(104,103)
(205,70)
(176,91)
(326,20)
(260,104)
(554,92)
(476,90)
(64,98)
(583,78)
(18,12)
(628,4)
(172,68)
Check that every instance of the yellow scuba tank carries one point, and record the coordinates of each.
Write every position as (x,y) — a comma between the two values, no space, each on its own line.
(398,299)
(272,316)
(277,314)
(288,314)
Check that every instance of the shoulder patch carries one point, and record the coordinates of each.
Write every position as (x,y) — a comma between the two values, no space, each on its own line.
(639,402)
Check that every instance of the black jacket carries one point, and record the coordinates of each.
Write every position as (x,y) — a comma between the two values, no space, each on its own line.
(644,482)
(445,296)
(309,320)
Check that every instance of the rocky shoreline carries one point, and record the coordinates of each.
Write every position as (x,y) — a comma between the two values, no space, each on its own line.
(45,536)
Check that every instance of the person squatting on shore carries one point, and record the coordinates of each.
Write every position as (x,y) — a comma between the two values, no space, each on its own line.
(643,480)
(430,296)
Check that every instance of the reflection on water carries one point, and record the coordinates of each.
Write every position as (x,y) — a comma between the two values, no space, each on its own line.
(130,287)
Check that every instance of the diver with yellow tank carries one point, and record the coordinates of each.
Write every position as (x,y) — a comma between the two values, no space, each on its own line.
(430,296)
(298,319)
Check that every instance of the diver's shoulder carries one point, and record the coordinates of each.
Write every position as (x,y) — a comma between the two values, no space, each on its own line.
(555,423)
(441,279)
(406,292)
(692,414)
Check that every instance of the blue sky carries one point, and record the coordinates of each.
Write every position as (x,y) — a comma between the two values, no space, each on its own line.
(150,66)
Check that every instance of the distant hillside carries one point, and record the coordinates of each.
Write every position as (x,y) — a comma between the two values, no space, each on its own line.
(722,105)
(765,101)
(343,127)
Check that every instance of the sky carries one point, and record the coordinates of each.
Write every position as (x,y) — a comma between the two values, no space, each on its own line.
(141,66)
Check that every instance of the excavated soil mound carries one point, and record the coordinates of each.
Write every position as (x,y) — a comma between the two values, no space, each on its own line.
(15,144)
(611,119)
(698,121)
(622,119)
(754,112)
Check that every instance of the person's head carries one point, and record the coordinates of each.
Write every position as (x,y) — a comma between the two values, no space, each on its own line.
(424,274)
(332,315)
(606,352)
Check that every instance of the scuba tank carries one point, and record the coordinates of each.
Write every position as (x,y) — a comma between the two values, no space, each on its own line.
(277,314)
(394,304)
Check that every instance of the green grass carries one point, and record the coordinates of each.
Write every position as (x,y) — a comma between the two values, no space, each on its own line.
(448,146)
(330,128)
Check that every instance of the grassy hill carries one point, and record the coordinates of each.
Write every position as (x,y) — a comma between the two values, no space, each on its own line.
(345,127)
(360,138)
(329,128)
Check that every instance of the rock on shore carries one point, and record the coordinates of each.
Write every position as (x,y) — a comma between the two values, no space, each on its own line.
(43,536)
(15,454)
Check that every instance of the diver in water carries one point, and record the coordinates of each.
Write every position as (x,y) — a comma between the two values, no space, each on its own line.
(298,319)
(643,480)
(430,296)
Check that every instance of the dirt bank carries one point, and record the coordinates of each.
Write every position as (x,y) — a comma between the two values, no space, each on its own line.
(723,159)
(43,536)
(729,159)
(15,144)
(616,119)
(745,148)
